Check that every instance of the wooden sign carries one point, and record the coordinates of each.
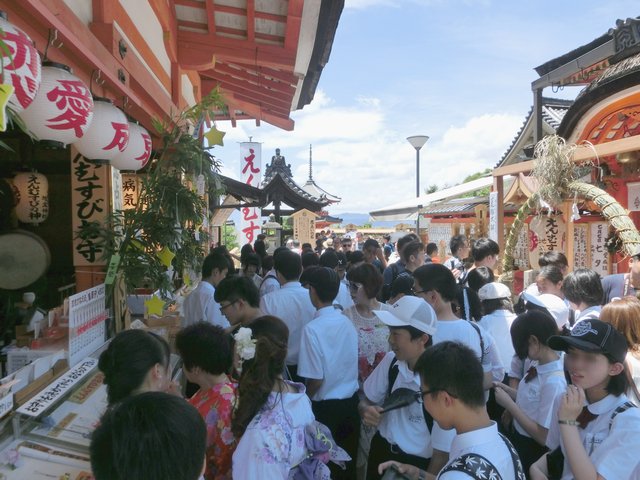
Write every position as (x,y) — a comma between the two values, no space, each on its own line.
(599,252)
(304,226)
(580,246)
(546,233)
(440,234)
(90,194)
(493,216)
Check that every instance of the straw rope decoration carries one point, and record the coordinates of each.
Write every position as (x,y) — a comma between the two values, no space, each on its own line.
(557,176)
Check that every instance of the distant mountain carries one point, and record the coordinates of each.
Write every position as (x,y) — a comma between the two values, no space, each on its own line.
(361,219)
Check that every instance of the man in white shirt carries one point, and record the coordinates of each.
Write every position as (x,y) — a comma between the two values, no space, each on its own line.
(329,361)
(291,304)
(403,432)
(331,260)
(453,393)
(239,301)
(200,304)
(436,285)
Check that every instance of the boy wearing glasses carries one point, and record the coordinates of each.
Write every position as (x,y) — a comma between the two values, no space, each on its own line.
(403,433)
(453,393)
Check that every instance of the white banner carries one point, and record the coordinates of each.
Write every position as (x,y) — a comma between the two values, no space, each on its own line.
(493,216)
(58,388)
(633,198)
(251,174)
(87,317)
(599,252)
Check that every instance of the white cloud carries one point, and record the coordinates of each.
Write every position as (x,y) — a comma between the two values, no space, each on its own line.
(358,157)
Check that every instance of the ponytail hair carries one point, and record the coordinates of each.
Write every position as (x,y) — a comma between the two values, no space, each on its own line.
(259,374)
(127,361)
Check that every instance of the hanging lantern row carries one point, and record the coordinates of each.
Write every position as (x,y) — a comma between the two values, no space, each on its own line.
(21,68)
(58,108)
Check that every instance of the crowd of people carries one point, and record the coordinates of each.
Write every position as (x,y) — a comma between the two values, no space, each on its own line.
(351,360)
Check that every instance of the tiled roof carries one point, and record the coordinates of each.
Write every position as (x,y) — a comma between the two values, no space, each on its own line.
(553,111)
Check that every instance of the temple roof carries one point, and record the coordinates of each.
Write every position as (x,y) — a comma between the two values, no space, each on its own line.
(312,187)
(553,111)
(278,175)
(266,56)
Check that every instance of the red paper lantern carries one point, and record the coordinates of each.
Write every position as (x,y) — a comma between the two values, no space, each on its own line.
(62,110)
(137,153)
(108,134)
(21,68)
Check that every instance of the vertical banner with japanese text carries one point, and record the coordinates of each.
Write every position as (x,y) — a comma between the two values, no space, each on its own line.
(90,195)
(599,252)
(251,174)
(493,216)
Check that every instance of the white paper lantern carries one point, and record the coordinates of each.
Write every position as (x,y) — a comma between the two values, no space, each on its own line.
(137,153)
(32,192)
(108,134)
(63,108)
(22,68)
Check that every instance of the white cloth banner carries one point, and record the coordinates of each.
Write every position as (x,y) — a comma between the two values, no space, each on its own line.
(633,199)
(493,216)
(251,174)
(599,252)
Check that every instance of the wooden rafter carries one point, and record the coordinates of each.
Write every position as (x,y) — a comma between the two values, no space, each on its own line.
(257,112)
(294,23)
(251,20)
(166,15)
(250,77)
(198,49)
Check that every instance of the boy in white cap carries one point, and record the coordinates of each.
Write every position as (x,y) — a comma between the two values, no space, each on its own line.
(403,433)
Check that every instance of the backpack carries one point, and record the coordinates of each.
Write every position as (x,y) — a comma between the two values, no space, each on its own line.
(479,468)
(385,294)
(392,376)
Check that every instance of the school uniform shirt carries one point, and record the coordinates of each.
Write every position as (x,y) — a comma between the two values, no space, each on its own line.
(613,452)
(404,427)
(462,331)
(536,397)
(485,442)
(200,306)
(519,367)
(591,313)
(498,324)
(329,352)
(633,363)
(343,298)
(292,305)
(269,283)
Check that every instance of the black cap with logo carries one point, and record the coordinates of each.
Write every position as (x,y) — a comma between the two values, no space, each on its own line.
(593,336)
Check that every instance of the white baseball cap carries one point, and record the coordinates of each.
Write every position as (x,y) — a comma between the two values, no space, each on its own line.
(494,291)
(555,306)
(410,311)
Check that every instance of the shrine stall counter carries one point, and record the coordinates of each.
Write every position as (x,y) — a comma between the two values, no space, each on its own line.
(48,436)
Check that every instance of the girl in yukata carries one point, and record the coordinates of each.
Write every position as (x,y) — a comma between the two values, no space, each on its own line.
(278,435)
(594,423)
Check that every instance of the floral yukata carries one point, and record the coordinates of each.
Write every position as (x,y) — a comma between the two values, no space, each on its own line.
(279,442)
(216,407)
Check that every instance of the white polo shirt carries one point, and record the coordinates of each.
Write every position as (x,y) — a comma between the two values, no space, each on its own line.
(293,306)
(486,442)
(536,397)
(200,306)
(343,298)
(329,351)
(405,426)
(614,453)
(498,324)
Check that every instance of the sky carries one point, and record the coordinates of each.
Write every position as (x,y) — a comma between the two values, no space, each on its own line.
(459,71)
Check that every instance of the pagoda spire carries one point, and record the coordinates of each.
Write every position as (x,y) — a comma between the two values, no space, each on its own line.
(310,163)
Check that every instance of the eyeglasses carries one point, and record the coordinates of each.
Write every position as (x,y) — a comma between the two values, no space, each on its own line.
(421,394)
(224,307)
(417,292)
(353,286)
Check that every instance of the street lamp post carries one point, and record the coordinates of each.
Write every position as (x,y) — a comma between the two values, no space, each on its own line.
(417,142)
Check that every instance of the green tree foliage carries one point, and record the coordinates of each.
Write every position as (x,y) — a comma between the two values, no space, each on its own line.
(169,211)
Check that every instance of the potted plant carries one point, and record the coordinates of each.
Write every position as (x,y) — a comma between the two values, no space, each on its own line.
(169,213)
